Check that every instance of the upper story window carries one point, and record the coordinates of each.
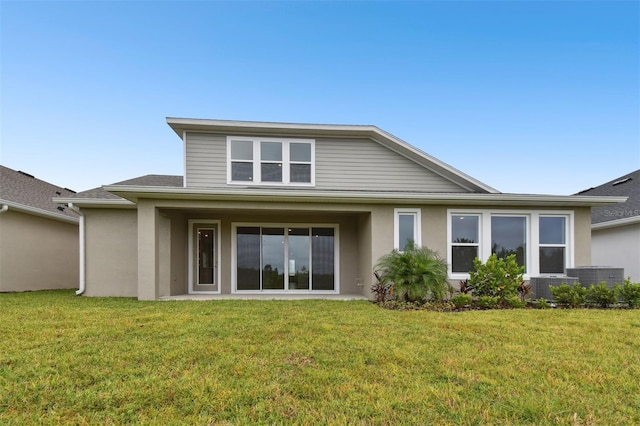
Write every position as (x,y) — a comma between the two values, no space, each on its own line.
(271,161)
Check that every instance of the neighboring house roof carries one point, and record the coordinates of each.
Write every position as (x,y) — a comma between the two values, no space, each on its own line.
(617,214)
(181,125)
(22,191)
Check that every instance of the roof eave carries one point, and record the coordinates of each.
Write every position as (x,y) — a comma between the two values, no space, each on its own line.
(133,193)
(39,212)
(96,202)
(615,223)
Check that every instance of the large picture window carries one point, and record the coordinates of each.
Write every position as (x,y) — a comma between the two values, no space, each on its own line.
(279,258)
(540,240)
(271,161)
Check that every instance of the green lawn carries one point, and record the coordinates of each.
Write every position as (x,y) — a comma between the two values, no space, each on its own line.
(67,359)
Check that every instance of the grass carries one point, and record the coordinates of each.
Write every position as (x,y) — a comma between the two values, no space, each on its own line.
(76,360)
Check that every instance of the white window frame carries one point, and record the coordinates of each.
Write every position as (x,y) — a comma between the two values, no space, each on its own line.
(452,244)
(532,255)
(192,276)
(568,243)
(286,161)
(286,226)
(417,228)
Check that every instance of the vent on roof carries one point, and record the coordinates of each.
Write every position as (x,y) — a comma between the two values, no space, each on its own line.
(60,208)
(621,181)
(70,190)
(26,174)
(58,193)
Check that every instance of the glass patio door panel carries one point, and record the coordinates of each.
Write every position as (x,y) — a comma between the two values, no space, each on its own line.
(273,258)
(299,248)
(248,258)
(323,259)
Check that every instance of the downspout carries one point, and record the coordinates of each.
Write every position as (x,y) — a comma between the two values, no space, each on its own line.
(82,286)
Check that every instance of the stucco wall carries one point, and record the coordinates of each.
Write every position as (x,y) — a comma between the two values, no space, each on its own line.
(618,247)
(111,252)
(37,253)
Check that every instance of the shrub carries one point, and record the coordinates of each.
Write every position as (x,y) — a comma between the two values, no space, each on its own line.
(461,300)
(514,302)
(601,296)
(487,302)
(381,289)
(497,277)
(571,296)
(543,303)
(630,293)
(415,274)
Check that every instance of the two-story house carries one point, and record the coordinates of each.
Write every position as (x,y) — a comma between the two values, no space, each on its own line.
(283,209)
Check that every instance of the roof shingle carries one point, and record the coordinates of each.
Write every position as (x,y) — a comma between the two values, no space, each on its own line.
(24,189)
(625,186)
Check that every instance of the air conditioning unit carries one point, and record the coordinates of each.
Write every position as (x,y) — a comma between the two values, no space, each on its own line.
(540,285)
(588,275)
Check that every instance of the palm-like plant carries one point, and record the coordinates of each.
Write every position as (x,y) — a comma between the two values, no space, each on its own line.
(416,273)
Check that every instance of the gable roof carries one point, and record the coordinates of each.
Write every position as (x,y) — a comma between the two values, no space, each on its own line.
(627,212)
(230,127)
(100,196)
(22,191)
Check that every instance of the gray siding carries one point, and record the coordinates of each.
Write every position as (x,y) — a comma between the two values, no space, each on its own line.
(206,160)
(366,165)
(357,164)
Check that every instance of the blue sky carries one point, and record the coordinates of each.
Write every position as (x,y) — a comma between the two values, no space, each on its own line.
(526,96)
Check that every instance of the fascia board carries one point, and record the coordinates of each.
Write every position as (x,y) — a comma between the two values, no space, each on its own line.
(96,202)
(38,212)
(134,193)
(180,125)
(615,223)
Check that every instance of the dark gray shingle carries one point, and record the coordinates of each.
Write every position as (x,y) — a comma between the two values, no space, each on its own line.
(625,186)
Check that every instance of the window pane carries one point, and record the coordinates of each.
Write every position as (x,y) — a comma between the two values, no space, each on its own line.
(271,172)
(406,230)
(300,152)
(271,151)
(508,236)
(300,173)
(552,260)
(464,229)
(299,258)
(552,230)
(322,259)
(242,150)
(272,258)
(248,258)
(242,171)
(462,258)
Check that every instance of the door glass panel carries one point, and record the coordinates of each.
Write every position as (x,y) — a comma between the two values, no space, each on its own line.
(248,258)
(322,259)
(273,258)
(509,236)
(299,258)
(206,256)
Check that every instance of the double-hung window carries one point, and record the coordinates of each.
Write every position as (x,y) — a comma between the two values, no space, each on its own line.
(406,228)
(270,161)
(540,240)
(553,244)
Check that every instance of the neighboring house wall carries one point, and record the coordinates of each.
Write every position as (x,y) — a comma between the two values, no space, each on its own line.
(111,252)
(37,253)
(361,163)
(618,247)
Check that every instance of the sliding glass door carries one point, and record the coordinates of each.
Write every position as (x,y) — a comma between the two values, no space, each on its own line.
(281,258)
